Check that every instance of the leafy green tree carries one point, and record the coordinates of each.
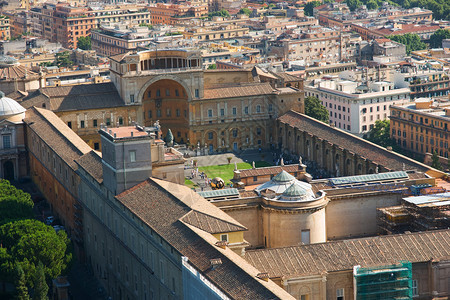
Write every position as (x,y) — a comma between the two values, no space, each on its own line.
(438,36)
(309,7)
(21,285)
(245,11)
(29,242)
(372,5)
(411,41)
(353,4)
(212,67)
(315,109)
(63,59)
(435,163)
(221,13)
(380,133)
(15,204)
(40,285)
(84,43)
(149,26)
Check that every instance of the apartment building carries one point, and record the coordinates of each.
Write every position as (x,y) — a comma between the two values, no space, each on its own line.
(109,40)
(422,127)
(316,44)
(424,81)
(215,32)
(131,14)
(5,28)
(355,106)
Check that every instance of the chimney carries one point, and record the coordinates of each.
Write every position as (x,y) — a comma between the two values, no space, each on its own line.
(222,244)
(263,276)
(215,262)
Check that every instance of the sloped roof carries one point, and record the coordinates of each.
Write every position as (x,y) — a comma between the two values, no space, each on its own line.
(269,170)
(16,72)
(55,133)
(254,89)
(91,162)
(210,223)
(75,97)
(343,255)
(374,153)
(156,203)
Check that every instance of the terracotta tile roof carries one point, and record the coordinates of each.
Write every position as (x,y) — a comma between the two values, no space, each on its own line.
(210,224)
(407,28)
(75,97)
(153,202)
(273,170)
(55,133)
(254,89)
(352,143)
(16,72)
(343,255)
(91,162)
(286,77)
(120,57)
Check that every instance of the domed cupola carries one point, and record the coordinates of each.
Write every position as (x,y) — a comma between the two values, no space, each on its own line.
(9,107)
(283,176)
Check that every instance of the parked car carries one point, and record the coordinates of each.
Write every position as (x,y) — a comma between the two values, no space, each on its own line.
(49,220)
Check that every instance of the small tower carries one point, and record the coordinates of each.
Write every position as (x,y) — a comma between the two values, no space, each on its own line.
(126,157)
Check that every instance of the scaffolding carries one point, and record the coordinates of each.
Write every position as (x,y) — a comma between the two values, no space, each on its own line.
(385,282)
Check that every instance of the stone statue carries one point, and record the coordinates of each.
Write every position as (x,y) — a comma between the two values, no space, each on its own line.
(403,167)
(235,166)
(282,162)
(300,160)
(376,170)
(253,164)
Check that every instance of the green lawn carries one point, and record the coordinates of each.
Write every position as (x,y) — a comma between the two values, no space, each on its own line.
(189,183)
(226,171)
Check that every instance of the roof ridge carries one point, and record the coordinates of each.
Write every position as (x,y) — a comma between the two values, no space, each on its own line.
(213,217)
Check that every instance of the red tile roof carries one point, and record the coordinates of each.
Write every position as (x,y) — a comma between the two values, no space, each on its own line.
(269,170)
(243,90)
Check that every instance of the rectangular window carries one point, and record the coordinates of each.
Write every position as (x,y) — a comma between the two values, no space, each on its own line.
(132,156)
(167,92)
(132,98)
(210,113)
(340,294)
(255,178)
(108,121)
(69,124)
(149,114)
(94,122)
(197,93)
(82,124)
(158,113)
(96,146)
(224,237)
(246,110)
(210,135)
(305,237)
(6,141)
(120,121)
(234,111)
(415,288)
(178,112)
(270,107)
(258,108)
(222,112)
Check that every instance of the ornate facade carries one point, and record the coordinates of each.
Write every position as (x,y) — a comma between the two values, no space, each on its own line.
(221,110)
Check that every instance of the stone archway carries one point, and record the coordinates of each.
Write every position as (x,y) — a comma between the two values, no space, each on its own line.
(167,100)
(8,170)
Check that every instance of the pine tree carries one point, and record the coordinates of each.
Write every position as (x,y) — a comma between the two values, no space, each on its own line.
(21,286)
(169,138)
(40,286)
(435,163)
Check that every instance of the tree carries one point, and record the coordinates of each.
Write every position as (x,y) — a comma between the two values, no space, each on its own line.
(29,242)
(169,138)
(372,5)
(221,13)
(15,204)
(84,43)
(315,109)
(309,7)
(212,67)
(435,163)
(21,286)
(380,133)
(149,26)
(411,41)
(353,4)
(63,59)
(40,286)
(438,36)
(245,11)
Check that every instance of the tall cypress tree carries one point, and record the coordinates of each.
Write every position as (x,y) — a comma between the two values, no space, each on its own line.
(40,286)
(21,285)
